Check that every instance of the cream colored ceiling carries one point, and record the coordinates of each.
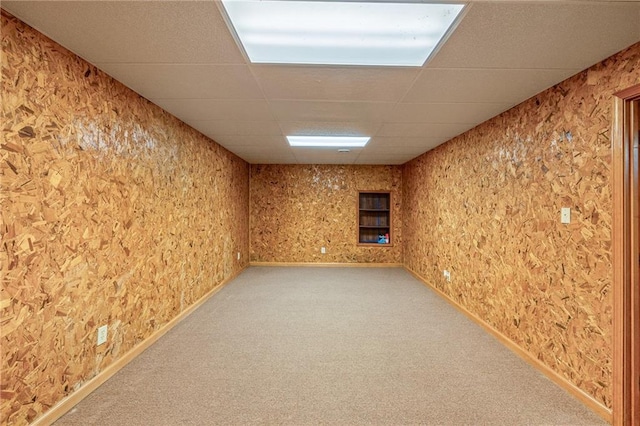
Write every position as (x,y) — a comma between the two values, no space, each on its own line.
(182,56)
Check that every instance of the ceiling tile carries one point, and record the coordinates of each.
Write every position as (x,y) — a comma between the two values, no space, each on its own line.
(398,148)
(263,141)
(219,128)
(196,81)
(326,156)
(335,83)
(482,85)
(543,34)
(264,155)
(330,111)
(391,159)
(446,112)
(181,55)
(216,109)
(134,31)
(321,128)
(403,145)
(416,130)
(394,143)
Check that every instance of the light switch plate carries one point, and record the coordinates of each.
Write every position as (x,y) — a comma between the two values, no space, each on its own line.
(102,334)
(565,215)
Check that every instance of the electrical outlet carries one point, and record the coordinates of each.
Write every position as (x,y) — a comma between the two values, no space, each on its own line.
(102,335)
(323,250)
(447,275)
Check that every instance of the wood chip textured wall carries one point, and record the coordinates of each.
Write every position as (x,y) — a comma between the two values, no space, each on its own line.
(297,209)
(113,212)
(486,206)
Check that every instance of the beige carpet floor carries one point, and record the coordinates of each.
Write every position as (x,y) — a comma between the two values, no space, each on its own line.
(334,346)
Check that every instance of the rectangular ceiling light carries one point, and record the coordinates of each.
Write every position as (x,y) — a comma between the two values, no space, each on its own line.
(328,141)
(340,33)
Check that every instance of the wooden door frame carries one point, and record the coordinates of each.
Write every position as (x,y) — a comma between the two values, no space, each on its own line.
(626,258)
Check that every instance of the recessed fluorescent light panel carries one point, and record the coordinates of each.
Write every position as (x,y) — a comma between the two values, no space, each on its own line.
(340,33)
(328,141)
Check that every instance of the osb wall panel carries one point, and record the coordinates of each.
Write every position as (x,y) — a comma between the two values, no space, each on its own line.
(297,209)
(113,212)
(486,206)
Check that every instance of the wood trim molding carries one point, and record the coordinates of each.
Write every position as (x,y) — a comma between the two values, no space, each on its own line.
(626,319)
(629,93)
(559,380)
(619,272)
(62,407)
(330,265)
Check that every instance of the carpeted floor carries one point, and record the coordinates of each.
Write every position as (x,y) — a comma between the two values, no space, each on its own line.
(339,346)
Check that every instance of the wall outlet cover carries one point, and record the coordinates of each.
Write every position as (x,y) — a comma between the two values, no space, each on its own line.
(102,334)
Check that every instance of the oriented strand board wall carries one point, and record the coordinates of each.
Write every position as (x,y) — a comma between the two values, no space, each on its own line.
(113,212)
(486,206)
(296,209)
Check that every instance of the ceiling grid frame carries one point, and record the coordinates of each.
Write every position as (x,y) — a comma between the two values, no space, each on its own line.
(481,70)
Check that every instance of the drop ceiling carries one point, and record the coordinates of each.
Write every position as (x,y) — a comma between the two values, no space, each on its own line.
(182,56)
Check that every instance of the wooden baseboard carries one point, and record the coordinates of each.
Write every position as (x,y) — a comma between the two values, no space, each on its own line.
(62,407)
(330,265)
(69,402)
(552,375)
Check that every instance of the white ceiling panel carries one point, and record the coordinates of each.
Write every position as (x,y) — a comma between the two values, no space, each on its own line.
(539,35)
(419,130)
(446,112)
(264,155)
(386,144)
(331,111)
(320,128)
(216,109)
(182,56)
(404,145)
(162,81)
(416,148)
(384,159)
(264,141)
(482,85)
(134,31)
(335,83)
(219,128)
(327,156)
